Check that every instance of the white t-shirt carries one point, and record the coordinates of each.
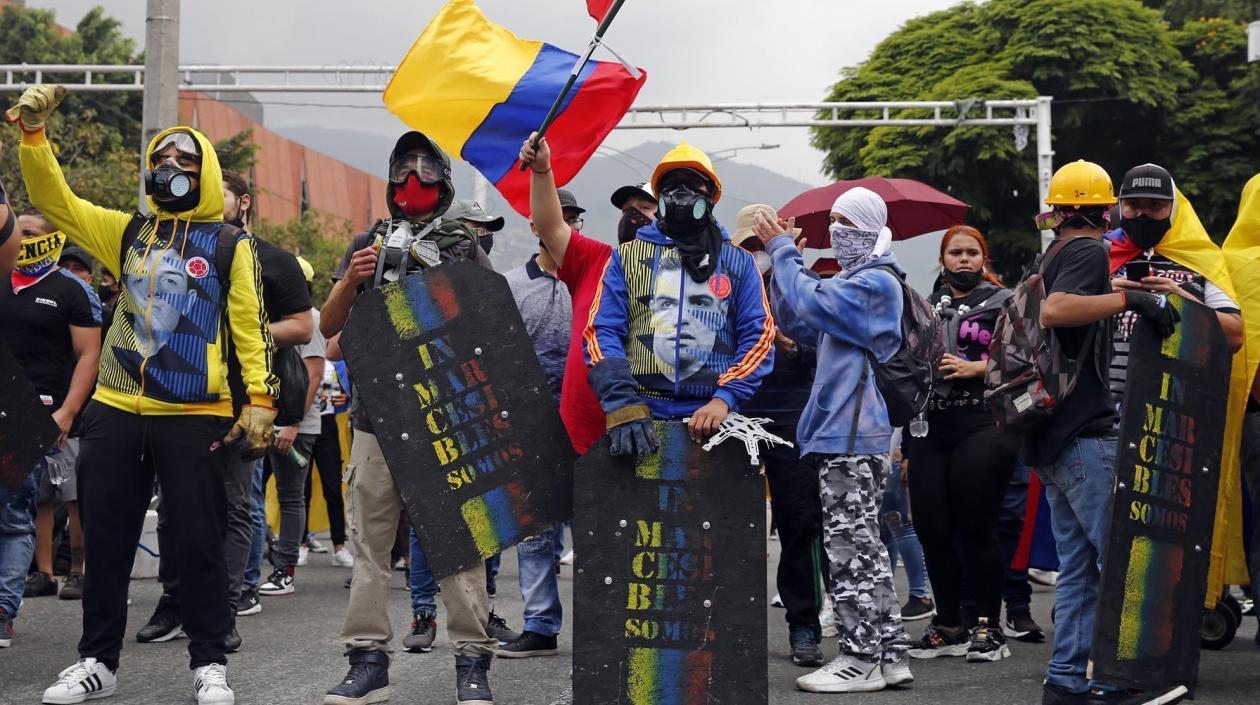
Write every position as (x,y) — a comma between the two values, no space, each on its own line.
(328,388)
(318,347)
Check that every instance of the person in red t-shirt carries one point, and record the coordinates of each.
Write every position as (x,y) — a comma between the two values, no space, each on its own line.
(581,261)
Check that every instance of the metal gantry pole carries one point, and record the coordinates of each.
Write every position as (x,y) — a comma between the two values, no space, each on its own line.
(161,71)
(1045,162)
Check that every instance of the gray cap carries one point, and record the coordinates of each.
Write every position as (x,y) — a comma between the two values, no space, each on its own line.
(567,200)
(471,211)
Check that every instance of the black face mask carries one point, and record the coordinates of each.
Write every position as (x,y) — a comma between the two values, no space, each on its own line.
(487,243)
(1145,231)
(631,220)
(106,293)
(238,221)
(962,280)
(174,189)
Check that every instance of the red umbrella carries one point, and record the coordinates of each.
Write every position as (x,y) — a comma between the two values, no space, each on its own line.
(914,208)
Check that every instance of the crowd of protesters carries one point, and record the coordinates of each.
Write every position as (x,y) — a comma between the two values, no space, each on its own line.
(190,368)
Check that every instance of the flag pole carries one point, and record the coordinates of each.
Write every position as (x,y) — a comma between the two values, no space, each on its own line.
(577,70)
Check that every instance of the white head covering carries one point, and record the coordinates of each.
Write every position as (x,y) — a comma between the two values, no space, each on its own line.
(868,212)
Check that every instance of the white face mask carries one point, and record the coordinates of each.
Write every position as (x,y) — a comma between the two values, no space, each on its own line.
(852,246)
(763,261)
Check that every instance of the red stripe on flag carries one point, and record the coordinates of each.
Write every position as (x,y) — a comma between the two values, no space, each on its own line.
(598,8)
(593,111)
(1024,549)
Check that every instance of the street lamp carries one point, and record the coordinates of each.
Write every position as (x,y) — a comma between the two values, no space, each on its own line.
(736,150)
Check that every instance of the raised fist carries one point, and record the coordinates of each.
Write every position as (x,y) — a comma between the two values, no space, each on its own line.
(35,105)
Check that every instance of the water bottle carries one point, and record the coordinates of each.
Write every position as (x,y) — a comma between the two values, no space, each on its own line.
(919,426)
(58,468)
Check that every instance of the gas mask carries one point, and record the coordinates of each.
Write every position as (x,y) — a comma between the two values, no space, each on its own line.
(173,188)
(403,251)
(683,210)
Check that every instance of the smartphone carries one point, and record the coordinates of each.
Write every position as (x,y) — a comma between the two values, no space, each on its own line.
(1137,271)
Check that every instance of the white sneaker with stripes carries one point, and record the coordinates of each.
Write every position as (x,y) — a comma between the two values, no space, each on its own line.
(85,680)
(844,675)
(210,685)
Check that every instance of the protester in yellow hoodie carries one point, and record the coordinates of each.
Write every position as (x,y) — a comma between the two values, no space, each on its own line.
(162,406)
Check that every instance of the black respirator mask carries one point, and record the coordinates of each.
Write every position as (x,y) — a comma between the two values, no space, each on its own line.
(173,188)
(1145,231)
(683,211)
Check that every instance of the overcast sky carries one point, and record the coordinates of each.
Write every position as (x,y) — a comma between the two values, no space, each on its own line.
(695,51)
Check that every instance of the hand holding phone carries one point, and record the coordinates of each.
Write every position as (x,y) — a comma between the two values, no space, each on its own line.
(1137,271)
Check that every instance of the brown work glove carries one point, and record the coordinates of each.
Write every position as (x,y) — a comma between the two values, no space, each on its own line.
(252,431)
(35,105)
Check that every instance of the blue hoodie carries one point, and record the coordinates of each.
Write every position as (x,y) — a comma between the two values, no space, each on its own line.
(687,342)
(849,314)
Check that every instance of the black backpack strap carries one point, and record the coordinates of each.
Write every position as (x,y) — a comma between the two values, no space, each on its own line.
(224,253)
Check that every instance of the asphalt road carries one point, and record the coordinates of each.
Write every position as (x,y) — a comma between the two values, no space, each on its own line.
(291,655)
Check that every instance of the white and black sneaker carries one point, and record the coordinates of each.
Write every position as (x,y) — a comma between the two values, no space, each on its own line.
(86,680)
(249,603)
(987,643)
(938,642)
(210,685)
(844,674)
(1022,626)
(280,583)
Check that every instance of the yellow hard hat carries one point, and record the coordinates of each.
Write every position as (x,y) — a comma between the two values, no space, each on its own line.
(1081,183)
(307,270)
(684,156)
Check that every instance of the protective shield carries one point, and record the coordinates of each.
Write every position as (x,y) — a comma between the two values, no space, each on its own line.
(670,582)
(27,430)
(1146,633)
(458,401)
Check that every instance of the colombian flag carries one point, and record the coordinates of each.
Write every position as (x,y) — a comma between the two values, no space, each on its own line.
(478,91)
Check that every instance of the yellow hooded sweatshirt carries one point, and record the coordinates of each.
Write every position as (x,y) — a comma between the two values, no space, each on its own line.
(166,351)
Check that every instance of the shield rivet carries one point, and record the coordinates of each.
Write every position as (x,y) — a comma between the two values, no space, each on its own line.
(405,437)
(399,376)
(622,523)
(476,351)
(705,525)
(503,415)
(708,603)
(607,581)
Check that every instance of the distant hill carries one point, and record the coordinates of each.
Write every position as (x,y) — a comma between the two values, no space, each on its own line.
(742,184)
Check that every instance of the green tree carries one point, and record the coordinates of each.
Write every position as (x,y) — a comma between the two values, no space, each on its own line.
(318,237)
(1126,90)
(238,152)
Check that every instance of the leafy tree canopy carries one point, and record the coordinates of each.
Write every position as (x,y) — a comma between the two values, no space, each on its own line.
(1127,90)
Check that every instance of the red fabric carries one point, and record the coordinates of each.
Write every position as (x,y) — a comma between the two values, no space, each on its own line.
(598,8)
(593,110)
(914,208)
(583,267)
(1024,549)
(1121,252)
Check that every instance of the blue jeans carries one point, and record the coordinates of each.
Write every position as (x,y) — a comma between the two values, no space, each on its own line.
(420,579)
(536,561)
(1079,489)
(258,545)
(17,538)
(492,575)
(898,535)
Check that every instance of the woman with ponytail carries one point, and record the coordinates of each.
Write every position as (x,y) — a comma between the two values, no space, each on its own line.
(960,470)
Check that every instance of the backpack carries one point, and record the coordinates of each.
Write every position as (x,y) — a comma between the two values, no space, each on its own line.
(905,381)
(287,363)
(1029,375)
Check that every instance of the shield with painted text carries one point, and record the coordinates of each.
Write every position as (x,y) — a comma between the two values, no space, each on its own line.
(468,426)
(27,431)
(1155,561)
(669,587)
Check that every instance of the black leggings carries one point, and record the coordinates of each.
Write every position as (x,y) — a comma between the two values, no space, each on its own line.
(326,458)
(958,474)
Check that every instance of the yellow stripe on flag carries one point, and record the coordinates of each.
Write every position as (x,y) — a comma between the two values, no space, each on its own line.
(457,71)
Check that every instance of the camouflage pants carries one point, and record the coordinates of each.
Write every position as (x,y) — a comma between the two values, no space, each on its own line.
(867,613)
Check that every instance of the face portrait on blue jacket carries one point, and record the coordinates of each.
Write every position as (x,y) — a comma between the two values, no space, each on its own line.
(685,318)
(161,296)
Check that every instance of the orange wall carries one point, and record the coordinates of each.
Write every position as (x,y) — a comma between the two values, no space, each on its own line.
(332,187)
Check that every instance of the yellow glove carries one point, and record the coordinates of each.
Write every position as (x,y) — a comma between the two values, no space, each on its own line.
(35,105)
(252,431)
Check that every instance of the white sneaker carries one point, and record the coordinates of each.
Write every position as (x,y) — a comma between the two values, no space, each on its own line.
(776,601)
(302,554)
(316,546)
(85,680)
(210,685)
(1043,577)
(343,558)
(844,675)
(567,558)
(897,673)
(280,583)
